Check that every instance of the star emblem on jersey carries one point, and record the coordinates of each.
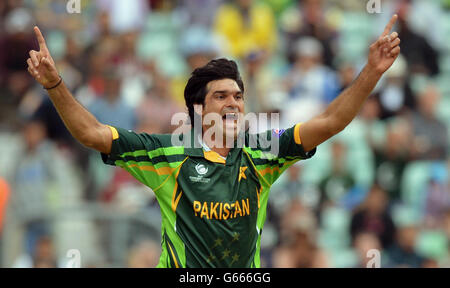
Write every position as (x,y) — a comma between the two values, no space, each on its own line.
(218,242)
(226,253)
(242,173)
(235,258)
(211,257)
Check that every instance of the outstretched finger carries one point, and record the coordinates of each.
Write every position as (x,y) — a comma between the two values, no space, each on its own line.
(389,26)
(41,40)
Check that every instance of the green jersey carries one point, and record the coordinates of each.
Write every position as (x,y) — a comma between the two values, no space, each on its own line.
(212,209)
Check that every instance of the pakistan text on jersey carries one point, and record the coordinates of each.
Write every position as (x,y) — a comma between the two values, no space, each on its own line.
(220,210)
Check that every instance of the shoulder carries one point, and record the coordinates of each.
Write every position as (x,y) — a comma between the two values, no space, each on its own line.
(166,140)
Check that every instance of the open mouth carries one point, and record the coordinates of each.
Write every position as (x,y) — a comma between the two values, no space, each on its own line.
(230,116)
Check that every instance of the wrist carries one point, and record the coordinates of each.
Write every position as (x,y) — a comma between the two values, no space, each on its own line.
(53,84)
(372,71)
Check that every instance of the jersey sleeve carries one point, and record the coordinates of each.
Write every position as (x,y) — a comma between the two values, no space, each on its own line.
(277,150)
(148,157)
(290,144)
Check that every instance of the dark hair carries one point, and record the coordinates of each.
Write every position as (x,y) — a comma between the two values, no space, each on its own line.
(217,69)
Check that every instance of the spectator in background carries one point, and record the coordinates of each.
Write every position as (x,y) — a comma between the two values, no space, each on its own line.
(111,108)
(446,223)
(198,12)
(47,114)
(258,83)
(114,43)
(374,129)
(198,46)
(310,84)
(346,74)
(42,255)
(299,237)
(446,228)
(144,255)
(306,18)
(430,134)
(391,157)
(126,193)
(125,16)
(6,6)
(156,110)
(247,26)
(291,188)
(133,72)
(402,253)
(363,243)
(395,95)
(438,197)
(52,14)
(35,175)
(99,55)
(73,64)
(100,30)
(373,217)
(100,51)
(290,196)
(420,55)
(336,187)
(15,42)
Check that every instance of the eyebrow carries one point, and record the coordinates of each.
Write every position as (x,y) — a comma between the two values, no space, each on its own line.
(227,91)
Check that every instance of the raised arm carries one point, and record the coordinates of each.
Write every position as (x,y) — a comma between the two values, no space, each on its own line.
(345,107)
(82,125)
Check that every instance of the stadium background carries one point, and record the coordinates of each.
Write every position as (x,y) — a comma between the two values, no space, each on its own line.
(381,184)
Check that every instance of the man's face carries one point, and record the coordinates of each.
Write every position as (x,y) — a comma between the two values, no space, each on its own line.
(226,100)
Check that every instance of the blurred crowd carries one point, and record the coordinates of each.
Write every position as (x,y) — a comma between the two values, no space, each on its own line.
(383,183)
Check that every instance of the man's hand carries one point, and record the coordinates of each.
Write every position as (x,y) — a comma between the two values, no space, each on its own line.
(385,50)
(344,108)
(82,125)
(41,65)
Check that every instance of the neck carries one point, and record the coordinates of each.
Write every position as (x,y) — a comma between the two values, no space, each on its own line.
(213,146)
(222,151)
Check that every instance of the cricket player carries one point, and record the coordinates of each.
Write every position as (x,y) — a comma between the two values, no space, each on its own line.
(213,197)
